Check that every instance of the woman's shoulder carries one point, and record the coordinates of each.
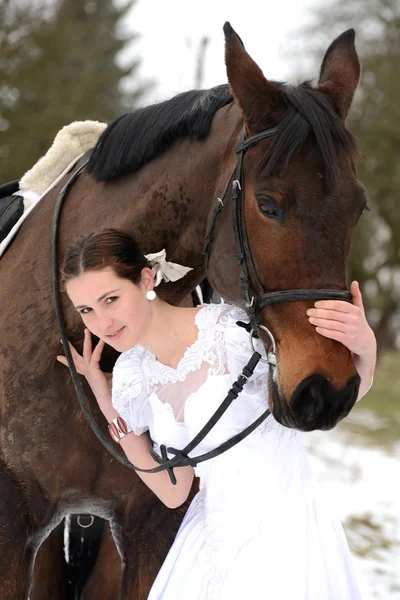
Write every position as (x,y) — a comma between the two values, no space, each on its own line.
(225,315)
(238,347)
(130,358)
(128,370)
(224,326)
(129,391)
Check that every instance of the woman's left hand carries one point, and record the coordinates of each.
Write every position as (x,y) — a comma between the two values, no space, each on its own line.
(347,323)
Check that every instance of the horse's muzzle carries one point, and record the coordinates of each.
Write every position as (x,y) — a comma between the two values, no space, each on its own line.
(316,404)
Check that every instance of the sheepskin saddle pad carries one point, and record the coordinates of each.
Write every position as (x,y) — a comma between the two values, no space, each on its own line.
(17,198)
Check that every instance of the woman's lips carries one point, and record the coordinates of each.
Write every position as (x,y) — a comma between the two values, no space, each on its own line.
(115,336)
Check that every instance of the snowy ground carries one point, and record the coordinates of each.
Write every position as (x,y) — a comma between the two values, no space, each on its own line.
(362,483)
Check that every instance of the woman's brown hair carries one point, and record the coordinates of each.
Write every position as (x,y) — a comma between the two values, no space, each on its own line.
(101,249)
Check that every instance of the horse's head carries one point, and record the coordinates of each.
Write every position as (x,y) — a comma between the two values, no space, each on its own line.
(302,201)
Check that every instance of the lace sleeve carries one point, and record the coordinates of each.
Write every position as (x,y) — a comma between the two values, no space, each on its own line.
(129,395)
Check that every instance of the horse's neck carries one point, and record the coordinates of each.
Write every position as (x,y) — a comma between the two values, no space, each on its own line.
(174,194)
(196,175)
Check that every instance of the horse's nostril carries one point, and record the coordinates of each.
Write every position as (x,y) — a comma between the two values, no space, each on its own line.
(316,393)
(316,404)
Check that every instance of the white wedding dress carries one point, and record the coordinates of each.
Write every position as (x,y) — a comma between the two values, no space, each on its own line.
(258,528)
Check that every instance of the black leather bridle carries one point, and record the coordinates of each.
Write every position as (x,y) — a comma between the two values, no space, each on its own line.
(179,458)
(254,304)
(255,301)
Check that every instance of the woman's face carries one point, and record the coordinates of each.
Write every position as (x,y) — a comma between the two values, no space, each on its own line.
(114,309)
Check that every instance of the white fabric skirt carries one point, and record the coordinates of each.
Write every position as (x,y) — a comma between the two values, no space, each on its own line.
(301,553)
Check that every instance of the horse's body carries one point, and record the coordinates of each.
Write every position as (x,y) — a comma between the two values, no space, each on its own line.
(50,463)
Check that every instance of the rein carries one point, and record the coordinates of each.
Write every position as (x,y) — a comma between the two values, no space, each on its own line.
(180,457)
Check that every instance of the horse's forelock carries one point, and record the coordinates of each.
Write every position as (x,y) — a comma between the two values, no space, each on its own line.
(309,112)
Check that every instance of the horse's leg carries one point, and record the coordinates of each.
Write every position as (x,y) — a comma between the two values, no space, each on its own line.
(143,540)
(16,553)
(50,572)
(105,579)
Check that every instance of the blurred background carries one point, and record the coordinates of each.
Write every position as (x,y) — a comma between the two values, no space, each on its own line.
(68,60)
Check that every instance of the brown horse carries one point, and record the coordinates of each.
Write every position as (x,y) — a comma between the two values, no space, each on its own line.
(159,172)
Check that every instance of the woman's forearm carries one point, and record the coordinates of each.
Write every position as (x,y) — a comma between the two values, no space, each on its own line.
(137,451)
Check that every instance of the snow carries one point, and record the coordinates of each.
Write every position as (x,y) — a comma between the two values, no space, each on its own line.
(361,484)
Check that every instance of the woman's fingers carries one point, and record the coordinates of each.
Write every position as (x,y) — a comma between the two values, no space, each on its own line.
(356,294)
(339,305)
(78,362)
(76,357)
(89,360)
(87,346)
(62,359)
(331,324)
(334,315)
(342,306)
(90,355)
(339,336)
(97,351)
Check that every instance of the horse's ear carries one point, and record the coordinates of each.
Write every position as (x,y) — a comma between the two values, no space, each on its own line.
(256,96)
(340,72)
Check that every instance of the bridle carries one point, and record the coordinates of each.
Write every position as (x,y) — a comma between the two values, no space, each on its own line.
(254,304)
(249,279)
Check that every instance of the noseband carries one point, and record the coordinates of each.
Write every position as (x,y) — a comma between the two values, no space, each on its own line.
(256,301)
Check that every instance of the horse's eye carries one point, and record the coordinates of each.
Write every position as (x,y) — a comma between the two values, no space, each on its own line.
(269,207)
(364,209)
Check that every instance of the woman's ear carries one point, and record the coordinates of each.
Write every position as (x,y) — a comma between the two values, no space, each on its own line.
(147,279)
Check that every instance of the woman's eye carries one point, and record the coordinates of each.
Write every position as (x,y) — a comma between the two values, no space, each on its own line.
(111,299)
(85,311)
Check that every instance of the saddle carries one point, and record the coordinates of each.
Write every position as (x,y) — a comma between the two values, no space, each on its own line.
(11,207)
(18,197)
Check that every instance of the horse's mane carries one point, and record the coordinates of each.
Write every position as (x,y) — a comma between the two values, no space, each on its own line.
(309,112)
(134,139)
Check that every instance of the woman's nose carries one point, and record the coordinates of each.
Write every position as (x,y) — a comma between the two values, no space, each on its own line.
(105,323)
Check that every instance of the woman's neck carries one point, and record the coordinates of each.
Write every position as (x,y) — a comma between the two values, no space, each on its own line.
(171,330)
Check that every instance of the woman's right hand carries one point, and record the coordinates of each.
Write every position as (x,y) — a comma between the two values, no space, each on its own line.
(88,365)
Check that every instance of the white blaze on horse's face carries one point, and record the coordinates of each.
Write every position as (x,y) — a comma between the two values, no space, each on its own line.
(113,309)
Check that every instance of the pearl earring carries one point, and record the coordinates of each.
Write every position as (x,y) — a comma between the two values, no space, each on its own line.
(150,295)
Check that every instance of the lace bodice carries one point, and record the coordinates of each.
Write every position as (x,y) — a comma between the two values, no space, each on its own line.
(151,395)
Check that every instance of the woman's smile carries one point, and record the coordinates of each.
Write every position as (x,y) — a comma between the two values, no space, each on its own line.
(116,334)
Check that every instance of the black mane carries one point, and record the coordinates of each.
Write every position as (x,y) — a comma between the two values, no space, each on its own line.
(134,139)
(309,112)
